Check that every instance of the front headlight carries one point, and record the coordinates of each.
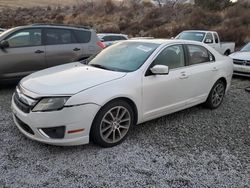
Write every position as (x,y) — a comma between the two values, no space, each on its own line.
(50,104)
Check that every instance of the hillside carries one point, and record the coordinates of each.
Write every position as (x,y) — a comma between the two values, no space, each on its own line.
(32,3)
(232,23)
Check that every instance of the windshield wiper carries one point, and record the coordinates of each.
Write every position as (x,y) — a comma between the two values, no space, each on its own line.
(100,66)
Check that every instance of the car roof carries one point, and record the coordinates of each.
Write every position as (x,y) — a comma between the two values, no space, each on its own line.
(165,41)
(53,26)
(205,31)
(108,34)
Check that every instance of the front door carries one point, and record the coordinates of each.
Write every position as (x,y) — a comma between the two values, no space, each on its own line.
(24,55)
(164,94)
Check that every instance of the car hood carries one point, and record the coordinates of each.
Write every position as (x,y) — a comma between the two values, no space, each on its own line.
(67,79)
(241,56)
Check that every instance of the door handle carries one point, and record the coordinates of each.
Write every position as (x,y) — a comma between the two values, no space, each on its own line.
(39,52)
(214,69)
(76,49)
(184,75)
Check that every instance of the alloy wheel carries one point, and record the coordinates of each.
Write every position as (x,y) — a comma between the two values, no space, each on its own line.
(218,94)
(115,124)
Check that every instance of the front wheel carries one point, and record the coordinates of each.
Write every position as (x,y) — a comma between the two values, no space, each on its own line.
(112,124)
(216,95)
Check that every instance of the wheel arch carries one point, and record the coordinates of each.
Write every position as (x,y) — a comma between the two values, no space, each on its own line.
(130,102)
(224,80)
(227,52)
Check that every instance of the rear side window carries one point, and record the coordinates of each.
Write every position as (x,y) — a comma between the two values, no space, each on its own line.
(83,36)
(209,38)
(199,54)
(216,38)
(113,38)
(25,38)
(108,38)
(59,36)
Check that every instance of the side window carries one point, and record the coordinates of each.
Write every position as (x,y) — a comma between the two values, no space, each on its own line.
(209,38)
(59,36)
(124,38)
(113,38)
(172,56)
(216,38)
(25,38)
(83,36)
(199,54)
(117,38)
(107,38)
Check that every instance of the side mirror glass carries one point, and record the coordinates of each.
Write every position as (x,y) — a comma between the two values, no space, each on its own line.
(4,44)
(160,70)
(208,41)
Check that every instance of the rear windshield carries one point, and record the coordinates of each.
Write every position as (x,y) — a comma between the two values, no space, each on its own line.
(83,36)
(195,36)
(124,56)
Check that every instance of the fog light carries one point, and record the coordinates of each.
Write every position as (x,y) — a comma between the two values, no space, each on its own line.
(53,132)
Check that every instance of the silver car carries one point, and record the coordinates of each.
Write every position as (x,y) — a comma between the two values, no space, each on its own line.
(26,49)
(109,39)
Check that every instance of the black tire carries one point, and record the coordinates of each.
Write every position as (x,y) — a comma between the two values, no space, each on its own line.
(210,103)
(227,53)
(104,120)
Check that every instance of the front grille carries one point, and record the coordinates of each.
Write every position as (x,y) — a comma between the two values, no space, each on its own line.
(24,126)
(242,73)
(22,106)
(241,62)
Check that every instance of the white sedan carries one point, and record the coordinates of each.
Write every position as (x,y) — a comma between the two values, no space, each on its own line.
(129,83)
(241,61)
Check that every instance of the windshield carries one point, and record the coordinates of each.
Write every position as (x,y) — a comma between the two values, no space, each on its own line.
(196,36)
(246,48)
(123,57)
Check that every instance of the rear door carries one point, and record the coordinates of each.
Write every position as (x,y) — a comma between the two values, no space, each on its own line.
(88,41)
(25,54)
(61,46)
(202,72)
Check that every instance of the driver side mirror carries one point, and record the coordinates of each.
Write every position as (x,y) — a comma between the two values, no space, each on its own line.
(160,70)
(208,41)
(4,44)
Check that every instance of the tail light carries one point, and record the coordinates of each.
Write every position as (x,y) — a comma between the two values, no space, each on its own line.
(101,44)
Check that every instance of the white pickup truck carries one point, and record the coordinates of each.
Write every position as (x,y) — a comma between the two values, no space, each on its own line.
(209,37)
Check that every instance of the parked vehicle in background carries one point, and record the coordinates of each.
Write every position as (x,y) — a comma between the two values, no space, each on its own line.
(26,49)
(110,38)
(210,38)
(155,2)
(241,61)
(126,84)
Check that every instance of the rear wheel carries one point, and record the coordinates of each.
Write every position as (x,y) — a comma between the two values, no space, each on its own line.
(227,53)
(216,95)
(112,124)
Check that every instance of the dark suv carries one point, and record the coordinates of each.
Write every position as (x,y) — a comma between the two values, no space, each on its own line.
(27,49)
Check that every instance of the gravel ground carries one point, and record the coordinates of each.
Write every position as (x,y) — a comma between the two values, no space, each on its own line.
(192,148)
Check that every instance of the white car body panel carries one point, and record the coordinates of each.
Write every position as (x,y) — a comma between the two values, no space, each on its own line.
(241,63)
(49,82)
(91,88)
